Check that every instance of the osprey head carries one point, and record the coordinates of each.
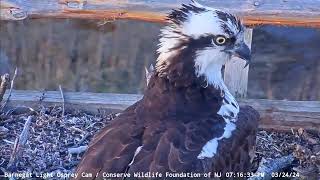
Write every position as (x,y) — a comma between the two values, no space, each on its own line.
(209,35)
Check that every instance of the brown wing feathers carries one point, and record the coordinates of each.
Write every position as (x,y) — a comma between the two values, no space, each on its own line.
(113,147)
(233,153)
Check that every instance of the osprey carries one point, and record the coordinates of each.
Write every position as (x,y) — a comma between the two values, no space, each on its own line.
(187,120)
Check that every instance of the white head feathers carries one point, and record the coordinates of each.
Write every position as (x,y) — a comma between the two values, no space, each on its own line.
(196,22)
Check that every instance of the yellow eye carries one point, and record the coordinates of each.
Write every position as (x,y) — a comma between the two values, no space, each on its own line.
(220,40)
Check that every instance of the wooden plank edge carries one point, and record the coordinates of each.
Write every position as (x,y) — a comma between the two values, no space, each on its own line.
(254,20)
(249,20)
(275,114)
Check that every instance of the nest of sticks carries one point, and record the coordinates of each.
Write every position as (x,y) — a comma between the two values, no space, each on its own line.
(44,140)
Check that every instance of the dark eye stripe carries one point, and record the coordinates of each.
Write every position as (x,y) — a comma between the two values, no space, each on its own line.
(232,39)
(205,41)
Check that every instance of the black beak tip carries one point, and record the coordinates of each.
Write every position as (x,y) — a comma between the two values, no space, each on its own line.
(244,53)
(248,60)
(247,64)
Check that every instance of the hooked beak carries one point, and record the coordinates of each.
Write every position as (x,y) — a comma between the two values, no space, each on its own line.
(243,52)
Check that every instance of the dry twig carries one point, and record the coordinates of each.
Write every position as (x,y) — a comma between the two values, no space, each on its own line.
(3,85)
(73,128)
(11,87)
(3,131)
(273,165)
(19,144)
(7,141)
(83,138)
(63,101)
(77,150)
